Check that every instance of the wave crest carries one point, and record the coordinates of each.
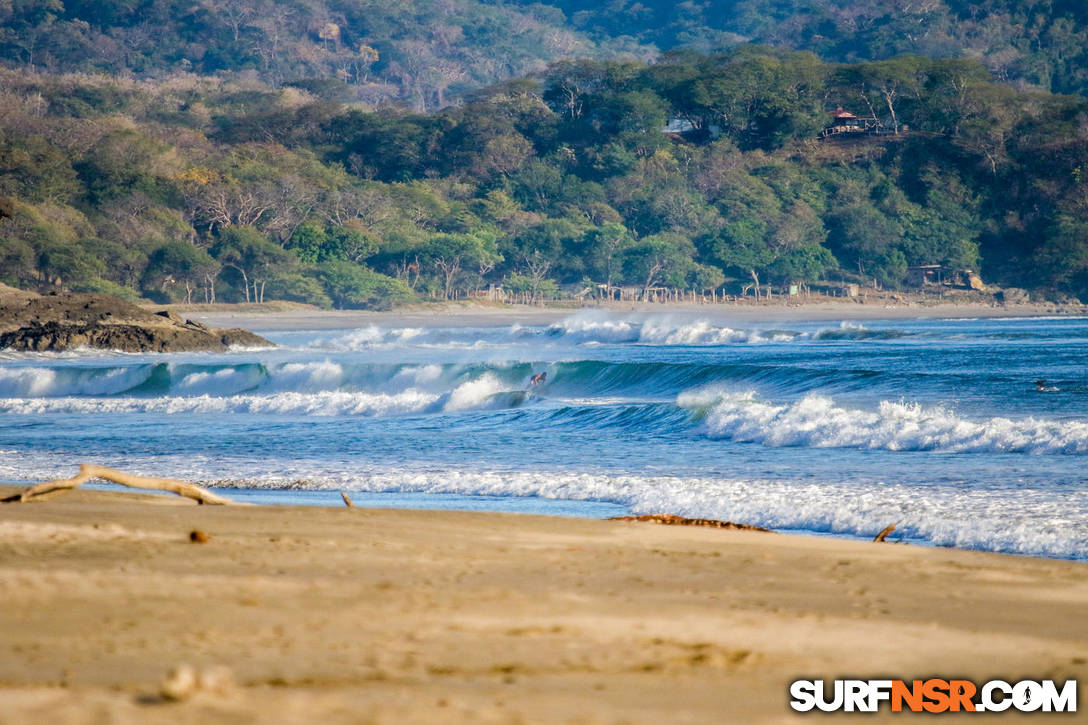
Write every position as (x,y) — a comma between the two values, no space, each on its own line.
(1039,522)
(481,393)
(596,328)
(817,421)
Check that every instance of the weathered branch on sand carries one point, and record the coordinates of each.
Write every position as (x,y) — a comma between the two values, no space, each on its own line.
(883,535)
(88,472)
(673,520)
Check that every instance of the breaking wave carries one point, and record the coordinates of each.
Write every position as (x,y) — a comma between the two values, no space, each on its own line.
(817,421)
(651,397)
(1034,522)
(574,378)
(591,329)
(940,427)
(39,381)
(486,392)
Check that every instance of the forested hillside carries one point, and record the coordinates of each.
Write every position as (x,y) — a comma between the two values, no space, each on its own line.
(191,188)
(1040,42)
(424,54)
(416,52)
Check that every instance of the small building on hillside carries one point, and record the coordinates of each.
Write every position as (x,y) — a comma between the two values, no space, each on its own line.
(934,275)
(835,288)
(925,275)
(844,123)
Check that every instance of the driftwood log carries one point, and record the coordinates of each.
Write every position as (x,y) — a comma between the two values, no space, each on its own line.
(883,535)
(88,472)
(673,520)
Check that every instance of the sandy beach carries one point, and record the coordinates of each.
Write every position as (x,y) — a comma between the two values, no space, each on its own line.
(336,615)
(297,317)
(296,614)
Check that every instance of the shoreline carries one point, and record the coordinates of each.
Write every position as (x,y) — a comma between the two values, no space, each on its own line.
(448,616)
(275,317)
(487,504)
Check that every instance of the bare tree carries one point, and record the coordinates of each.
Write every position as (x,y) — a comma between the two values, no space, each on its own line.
(408,272)
(536,267)
(235,14)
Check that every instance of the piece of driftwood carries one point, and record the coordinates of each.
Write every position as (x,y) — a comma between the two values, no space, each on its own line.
(673,520)
(883,535)
(347,501)
(88,472)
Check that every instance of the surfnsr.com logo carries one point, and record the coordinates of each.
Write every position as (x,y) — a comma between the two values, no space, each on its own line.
(933,695)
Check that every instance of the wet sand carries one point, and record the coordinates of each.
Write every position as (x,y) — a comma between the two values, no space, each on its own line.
(357,615)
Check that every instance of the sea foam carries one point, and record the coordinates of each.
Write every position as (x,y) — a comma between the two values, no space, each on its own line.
(817,421)
(962,514)
(43,381)
(483,392)
(598,328)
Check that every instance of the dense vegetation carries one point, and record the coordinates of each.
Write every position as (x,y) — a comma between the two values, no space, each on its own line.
(1038,42)
(197,189)
(423,54)
(416,52)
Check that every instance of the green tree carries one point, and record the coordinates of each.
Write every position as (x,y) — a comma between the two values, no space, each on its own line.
(607,246)
(1062,261)
(299,287)
(354,286)
(705,277)
(314,244)
(18,262)
(806,264)
(179,265)
(449,254)
(660,259)
(253,258)
(68,264)
(538,288)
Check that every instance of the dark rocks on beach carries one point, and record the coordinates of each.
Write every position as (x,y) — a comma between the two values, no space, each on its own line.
(1012,296)
(63,321)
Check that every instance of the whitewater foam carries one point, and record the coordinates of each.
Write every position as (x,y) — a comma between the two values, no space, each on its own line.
(307,377)
(483,392)
(40,381)
(596,328)
(817,421)
(327,403)
(611,424)
(701,332)
(474,393)
(962,514)
(419,374)
(591,328)
(219,382)
(371,337)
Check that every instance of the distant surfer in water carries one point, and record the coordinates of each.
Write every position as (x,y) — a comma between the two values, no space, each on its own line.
(538,379)
(1042,387)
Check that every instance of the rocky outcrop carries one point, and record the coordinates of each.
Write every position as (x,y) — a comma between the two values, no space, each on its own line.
(1012,296)
(64,321)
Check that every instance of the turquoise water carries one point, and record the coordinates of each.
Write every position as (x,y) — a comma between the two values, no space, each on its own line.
(817,427)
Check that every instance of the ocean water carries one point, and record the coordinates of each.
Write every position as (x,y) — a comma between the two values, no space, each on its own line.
(826,428)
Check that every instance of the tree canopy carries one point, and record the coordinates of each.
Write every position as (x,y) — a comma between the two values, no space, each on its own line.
(695,172)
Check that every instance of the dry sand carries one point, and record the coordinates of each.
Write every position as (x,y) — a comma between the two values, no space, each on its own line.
(356,615)
(454,315)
